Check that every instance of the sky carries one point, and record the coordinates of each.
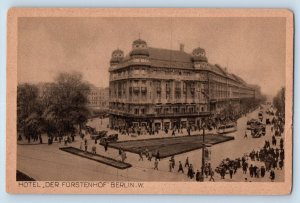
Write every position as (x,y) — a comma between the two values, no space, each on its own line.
(252,48)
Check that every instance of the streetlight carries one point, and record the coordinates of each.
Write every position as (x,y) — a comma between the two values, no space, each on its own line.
(203,136)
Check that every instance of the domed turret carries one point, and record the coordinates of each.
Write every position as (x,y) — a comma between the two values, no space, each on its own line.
(139,48)
(199,55)
(116,57)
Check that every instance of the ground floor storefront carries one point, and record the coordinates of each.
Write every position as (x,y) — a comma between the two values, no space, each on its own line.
(155,124)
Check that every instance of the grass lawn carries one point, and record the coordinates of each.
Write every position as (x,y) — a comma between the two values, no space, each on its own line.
(171,145)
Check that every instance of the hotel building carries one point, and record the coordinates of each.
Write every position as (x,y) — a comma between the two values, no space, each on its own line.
(161,88)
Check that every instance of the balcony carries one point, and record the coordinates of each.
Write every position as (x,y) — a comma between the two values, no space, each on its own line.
(177,89)
(157,115)
(143,89)
(136,89)
(158,89)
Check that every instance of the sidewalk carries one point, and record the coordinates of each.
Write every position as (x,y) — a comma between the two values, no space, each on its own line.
(102,125)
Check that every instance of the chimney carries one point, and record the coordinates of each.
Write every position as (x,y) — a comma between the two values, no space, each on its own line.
(181,47)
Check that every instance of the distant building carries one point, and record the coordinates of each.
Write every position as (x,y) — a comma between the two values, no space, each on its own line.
(98,98)
(161,88)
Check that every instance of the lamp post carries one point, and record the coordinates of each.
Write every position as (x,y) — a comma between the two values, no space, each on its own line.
(203,136)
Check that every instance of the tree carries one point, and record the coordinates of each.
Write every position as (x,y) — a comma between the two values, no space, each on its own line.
(53,108)
(279,101)
(66,107)
(28,109)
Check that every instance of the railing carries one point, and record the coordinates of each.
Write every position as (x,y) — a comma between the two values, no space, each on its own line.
(156,115)
(155,76)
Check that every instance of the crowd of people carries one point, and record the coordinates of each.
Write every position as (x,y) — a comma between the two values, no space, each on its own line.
(258,163)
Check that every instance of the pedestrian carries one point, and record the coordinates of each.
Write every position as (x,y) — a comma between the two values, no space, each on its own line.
(255,171)
(141,156)
(170,165)
(123,156)
(187,162)
(173,161)
(81,145)
(180,168)
(157,155)
(251,170)
(281,164)
(212,176)
(106,146)
(272,175)
(150,156)
(191,172)
(230,173)
(94,149)
(85,147)
(245,136)
(49,141)
(245,166)
(222,173)
(273,140)
(198,176)
(40,138)
(281,143)
(156,164)
(262,171)
(64,141)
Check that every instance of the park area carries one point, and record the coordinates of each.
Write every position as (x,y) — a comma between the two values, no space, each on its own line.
(169,146)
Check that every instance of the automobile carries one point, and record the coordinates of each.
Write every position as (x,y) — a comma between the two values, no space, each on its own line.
(258,131)
(98,135)
(260,115)
(90,130)
(252,123)
(109,138)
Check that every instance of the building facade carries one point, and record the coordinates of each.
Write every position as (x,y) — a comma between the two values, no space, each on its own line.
(98,98)
(159,88)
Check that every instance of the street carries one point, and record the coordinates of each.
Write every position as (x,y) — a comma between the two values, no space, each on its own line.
(34,159)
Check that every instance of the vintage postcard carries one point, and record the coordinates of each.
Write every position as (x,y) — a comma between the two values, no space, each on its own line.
(149,101)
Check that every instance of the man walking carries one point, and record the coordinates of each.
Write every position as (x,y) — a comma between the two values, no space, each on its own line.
(141,156)
(212,176)
(245,136)
(180,168)
(230,172)
(156,164)
(187,164)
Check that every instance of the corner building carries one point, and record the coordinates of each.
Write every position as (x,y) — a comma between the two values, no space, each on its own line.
(160,88)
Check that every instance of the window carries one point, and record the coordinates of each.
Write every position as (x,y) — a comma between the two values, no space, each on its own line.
(175,110)
(168,87)
(157,110)
(142,111)
(159,95)
(191,110)
(136,111)
(184,87)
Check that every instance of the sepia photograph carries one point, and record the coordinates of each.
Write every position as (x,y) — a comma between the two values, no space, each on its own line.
(138,99)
